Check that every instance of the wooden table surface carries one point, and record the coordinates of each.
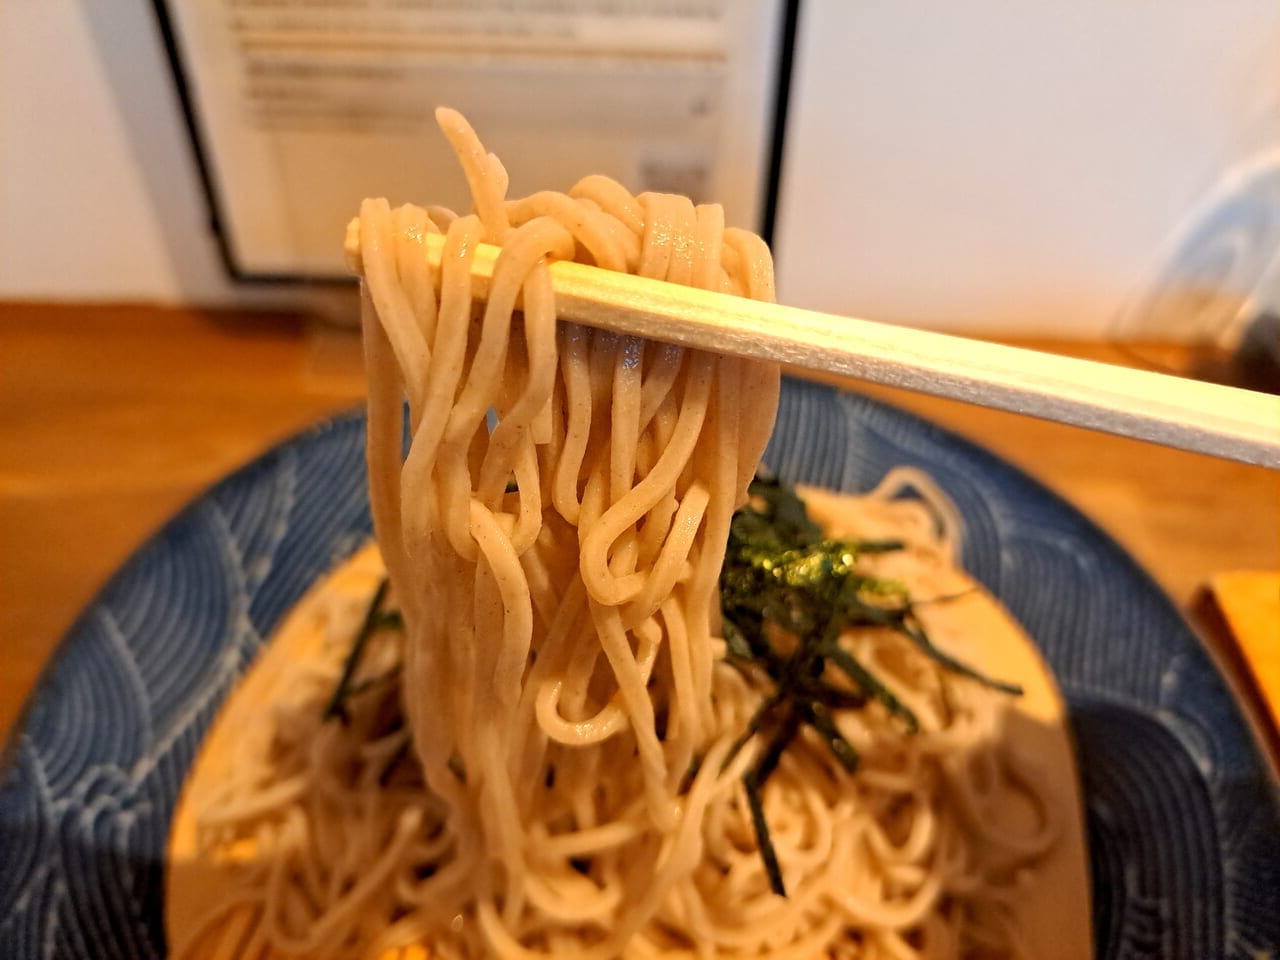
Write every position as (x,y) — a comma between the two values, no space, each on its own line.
(112,418)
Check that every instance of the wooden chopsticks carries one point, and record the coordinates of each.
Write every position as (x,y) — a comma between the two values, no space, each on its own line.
(1207,418)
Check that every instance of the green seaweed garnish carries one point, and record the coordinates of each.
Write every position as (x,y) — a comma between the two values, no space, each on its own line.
(781,575)
(375,619)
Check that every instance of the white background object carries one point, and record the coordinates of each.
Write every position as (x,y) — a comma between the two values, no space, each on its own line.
(1005,166)
(306,108)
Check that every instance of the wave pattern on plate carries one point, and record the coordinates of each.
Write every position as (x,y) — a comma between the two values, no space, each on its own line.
(1148,803)
(1184,826)
(101,753)
(1200,821)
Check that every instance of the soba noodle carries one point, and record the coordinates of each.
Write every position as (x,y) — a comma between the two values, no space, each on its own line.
(536,763)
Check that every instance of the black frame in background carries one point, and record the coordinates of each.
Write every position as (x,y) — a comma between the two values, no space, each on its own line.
(203,157)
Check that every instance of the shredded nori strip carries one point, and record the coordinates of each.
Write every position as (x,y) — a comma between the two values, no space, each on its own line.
(780,572)
(374,620)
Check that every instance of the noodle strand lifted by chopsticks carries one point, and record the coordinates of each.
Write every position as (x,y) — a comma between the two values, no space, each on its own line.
(554,538)
(612,463)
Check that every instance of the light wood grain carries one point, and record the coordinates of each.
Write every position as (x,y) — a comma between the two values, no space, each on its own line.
(1204,417)
(1249,602)
(112,418)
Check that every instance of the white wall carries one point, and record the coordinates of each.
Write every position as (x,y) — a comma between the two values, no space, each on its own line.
(99,196)
(1015,165)
(1005,165)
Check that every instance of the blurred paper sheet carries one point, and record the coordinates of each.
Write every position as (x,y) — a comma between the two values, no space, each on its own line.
(304,107)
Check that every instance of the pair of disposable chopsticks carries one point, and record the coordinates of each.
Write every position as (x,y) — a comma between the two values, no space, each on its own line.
(1207,418)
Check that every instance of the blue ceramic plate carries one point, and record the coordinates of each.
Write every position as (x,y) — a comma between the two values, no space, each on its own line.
(1183,820)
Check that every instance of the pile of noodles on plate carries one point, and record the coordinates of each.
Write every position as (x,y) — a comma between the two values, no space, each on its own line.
(592,697)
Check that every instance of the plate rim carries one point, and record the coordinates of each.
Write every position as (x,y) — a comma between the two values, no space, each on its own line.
(987,463)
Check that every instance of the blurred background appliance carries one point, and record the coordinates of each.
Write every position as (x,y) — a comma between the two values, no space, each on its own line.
(992,167)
